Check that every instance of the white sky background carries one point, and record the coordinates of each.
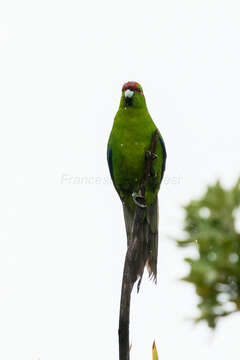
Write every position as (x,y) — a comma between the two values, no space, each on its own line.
(62,246)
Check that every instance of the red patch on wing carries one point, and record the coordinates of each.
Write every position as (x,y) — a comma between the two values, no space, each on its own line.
(132,85)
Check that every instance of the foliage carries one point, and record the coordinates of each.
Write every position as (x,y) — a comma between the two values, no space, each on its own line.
(212,226)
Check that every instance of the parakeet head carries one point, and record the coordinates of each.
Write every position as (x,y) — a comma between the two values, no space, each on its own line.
(132,96)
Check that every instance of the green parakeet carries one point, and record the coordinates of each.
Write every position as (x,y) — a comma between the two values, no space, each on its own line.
(129,141)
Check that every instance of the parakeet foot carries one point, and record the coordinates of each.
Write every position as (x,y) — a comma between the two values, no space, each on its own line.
(139,200)
(151,154)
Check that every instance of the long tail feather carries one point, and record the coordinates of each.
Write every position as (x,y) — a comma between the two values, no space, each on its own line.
(152,221)
(143,225)
(128,217)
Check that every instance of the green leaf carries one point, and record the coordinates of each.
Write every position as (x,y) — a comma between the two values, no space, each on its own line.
(212,228)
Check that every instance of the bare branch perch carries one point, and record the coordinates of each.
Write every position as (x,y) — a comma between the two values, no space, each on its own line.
(133,256)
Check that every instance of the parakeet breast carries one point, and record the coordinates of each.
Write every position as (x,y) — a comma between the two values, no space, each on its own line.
(130,157)
(130,139)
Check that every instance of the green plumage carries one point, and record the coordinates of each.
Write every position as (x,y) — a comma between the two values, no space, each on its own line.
(128,143)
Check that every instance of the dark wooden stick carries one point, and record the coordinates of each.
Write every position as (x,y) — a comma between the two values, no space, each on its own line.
(133,258)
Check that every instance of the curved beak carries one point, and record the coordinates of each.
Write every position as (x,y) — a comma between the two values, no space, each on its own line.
(128,93)
(128,97)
